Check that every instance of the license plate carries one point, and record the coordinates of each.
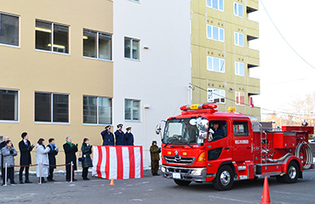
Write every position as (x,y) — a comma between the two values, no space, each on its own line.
(176,176)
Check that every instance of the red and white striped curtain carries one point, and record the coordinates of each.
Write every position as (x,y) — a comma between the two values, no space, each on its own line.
(117,162)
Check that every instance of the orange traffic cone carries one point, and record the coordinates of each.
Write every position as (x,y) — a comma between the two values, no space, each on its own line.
(112,182)
(265,195)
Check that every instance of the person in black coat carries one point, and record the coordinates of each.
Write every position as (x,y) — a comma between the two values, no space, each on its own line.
(86,155)
(70,150)
(120,135)
(108,137)
(129,137)
(25,158)
(52,158)
(218,132)
(3,144)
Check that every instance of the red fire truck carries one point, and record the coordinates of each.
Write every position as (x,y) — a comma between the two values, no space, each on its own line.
(204,145)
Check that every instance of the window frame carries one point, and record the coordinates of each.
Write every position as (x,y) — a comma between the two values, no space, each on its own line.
(218,97)
(218,2)
(237,39)
(52,109)
(17,107)
(19,32)
(212,31)
(212,65)
(238,98)
(97,46)
(131,116)
(238,70)
(52,38)
(97,112)
(131,42)
(237,11)
(246,128)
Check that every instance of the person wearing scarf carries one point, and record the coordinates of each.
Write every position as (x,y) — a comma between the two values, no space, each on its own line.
(52,158)
(70,150)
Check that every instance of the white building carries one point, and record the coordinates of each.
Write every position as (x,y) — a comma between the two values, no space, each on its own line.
(151,79)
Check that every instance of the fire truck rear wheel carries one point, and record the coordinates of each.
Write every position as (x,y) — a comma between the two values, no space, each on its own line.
(224,179)
(181,182)
(292,174)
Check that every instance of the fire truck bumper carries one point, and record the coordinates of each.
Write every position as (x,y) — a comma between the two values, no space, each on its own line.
(184,173)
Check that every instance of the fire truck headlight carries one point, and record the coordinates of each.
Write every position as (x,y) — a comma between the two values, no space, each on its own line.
(163,169)
(197,172)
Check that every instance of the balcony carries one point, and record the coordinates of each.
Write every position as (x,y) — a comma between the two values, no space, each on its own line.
(252,6)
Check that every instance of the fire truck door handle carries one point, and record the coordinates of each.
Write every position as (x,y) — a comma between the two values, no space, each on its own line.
(248,147)
(226,148)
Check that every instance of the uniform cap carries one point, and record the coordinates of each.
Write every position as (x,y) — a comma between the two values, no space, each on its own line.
(128,128)
(154,142)
(107,127)
(119,125)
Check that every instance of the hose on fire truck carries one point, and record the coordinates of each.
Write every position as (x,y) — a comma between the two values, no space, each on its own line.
(309,155)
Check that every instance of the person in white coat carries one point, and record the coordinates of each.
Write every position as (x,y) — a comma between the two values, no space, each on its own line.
(42,160)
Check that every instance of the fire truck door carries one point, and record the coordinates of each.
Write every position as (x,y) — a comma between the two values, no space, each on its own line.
(241,141)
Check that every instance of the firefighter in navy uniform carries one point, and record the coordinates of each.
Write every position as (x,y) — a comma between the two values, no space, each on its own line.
(129,137)
(120,135)
(108,137)
(155,157)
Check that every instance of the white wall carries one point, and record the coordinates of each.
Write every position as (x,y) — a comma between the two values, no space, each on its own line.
(161,77)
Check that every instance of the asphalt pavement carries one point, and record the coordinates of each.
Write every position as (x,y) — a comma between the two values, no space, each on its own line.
(155,189)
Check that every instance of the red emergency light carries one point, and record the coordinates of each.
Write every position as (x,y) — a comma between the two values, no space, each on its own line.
(203,106)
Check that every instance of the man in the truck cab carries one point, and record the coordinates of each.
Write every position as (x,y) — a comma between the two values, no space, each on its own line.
(218,132)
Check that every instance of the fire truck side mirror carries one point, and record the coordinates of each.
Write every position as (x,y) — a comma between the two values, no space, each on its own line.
(203,126)
(158,129)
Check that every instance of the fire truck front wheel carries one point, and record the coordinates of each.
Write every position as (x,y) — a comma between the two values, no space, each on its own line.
(181,182)
(224,179)
(292,174)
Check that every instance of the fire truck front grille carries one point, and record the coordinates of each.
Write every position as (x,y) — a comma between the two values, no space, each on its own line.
(176,170)
(179,160)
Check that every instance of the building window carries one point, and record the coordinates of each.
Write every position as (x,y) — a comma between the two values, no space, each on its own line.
(97,45)
(51,37)
(239,68)
(239,39)
(238,10)
(51,107)
(132,110)
(216,64)
(216,95)
(8,105)
(9,29)
(216,4)
(215,33)
(132,48)
(240,98)
(97,110)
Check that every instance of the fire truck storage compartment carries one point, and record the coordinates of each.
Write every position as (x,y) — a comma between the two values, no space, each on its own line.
(264,169)
(284,140)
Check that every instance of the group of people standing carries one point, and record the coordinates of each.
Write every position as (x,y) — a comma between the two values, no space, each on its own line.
(45,158)
(120,137)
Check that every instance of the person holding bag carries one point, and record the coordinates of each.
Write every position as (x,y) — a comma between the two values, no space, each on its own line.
(86,157)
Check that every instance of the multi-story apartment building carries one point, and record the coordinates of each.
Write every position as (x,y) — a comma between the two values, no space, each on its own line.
(56,70)
(221,58)
(151,65)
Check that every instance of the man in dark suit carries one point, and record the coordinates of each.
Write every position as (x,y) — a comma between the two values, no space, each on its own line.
(25,158)
(108,137)
(70,150)
(52,158)
(129,137)
(120,135)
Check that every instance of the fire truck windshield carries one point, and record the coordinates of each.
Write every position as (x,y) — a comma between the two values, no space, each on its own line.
(180,131)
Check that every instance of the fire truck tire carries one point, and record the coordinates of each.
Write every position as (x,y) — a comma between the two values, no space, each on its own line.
(181,182)
(292,174)
(224,179)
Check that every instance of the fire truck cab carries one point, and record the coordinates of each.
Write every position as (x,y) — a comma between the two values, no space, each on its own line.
(204,145)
